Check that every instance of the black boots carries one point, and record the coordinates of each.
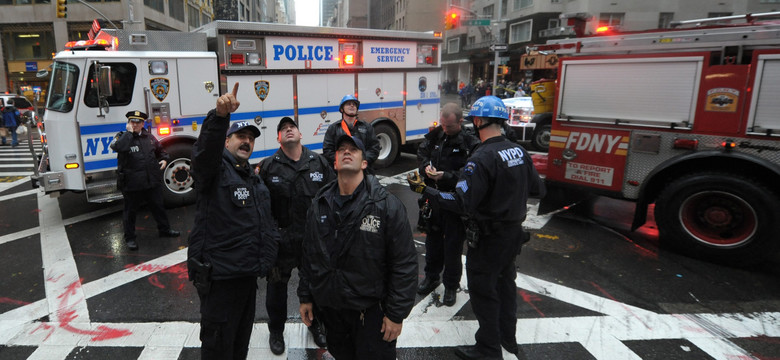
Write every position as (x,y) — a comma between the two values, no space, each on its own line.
(427,286)
(276,341)
(169,233)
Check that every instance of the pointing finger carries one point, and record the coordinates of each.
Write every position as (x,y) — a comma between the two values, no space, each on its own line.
(235,89)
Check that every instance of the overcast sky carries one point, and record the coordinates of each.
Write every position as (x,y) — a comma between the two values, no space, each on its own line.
(307,12)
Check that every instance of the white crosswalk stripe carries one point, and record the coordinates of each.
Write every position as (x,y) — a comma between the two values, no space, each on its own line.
(429,325)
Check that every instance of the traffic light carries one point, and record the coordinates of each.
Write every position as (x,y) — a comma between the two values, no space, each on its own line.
(62,9)
(451,21)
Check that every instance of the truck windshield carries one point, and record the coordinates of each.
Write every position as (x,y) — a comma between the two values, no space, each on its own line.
(62,88)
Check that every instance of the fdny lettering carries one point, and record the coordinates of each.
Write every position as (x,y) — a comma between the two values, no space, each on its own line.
(102,142)
(593,142)
(302,53)
(370,223)
(316,176)
(241,193)
(512,157)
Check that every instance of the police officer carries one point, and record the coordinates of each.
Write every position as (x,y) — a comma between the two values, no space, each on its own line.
(441,157)
(140,161)
(293,175)
(492,191)
(234,239)
(352,126)
(359,264)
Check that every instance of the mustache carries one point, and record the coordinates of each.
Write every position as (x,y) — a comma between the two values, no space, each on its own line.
(244,146)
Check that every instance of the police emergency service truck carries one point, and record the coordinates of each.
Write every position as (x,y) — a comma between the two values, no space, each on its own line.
(283,70)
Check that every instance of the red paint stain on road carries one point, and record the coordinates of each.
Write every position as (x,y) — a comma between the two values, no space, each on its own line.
(66,315)
(5,300)
(530,299)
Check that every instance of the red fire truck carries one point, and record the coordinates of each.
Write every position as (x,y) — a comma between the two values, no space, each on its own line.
(687,119)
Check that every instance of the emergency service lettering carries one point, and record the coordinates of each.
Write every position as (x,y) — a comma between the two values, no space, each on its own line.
(589,173)
(592,142)
(92,145)
(301,52)
(390,51)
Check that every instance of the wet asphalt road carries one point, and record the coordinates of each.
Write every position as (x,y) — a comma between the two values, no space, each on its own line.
(587,289)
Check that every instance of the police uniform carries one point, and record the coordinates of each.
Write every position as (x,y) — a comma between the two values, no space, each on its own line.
(292,184)
(235,233)
(139,178)
(359,265)
(444,240)
(492,191)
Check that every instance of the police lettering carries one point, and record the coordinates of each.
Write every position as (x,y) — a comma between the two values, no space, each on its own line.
(241,194)
(303,52)
(512,156)
(592,142)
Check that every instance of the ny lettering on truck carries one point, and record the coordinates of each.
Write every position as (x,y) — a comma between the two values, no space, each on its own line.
(93,145)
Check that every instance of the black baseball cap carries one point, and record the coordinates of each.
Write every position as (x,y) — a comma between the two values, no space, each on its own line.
(241,125)
(285,120)
(353,139)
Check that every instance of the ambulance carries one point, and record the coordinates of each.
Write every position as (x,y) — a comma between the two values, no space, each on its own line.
(684,121)
(282,70)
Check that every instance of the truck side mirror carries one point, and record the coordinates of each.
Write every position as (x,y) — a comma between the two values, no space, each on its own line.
(105,82)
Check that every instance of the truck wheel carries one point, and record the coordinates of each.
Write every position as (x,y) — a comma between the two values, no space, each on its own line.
(541,136)
(177,177)
(719,217)
(389,145)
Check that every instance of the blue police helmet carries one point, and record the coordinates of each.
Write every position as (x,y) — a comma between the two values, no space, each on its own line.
(348,97)
(488,107)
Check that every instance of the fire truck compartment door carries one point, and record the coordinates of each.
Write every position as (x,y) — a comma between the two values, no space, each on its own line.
(198,85)
(764,107)
(652,91)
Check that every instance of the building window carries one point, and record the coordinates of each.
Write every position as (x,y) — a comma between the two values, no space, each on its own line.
(193,17)
(28,45)
(611,19)
(519,4)
(488,11)
(204,19)
(504,5)
(453,46)
(176,9)
(471,40)
(664,19)
(520,32)
(718,14)
(158,5)
(553,23)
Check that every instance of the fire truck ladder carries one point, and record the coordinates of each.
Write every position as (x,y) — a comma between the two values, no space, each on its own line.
(706,38)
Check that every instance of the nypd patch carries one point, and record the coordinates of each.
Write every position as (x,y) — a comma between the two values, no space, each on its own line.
(469,168)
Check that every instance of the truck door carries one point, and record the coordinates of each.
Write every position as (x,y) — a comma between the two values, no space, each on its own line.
(318,104)
(265,99)
(97,131)
(422,103)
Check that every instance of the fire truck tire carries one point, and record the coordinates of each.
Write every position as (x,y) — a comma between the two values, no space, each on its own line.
(719,217)
(541,137)
(177,176)
(389,143)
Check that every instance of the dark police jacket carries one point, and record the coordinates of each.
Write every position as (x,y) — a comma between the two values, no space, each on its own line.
(234,229)
(293,186)
(362,130)
(445,153)
(374,261)
(493,190)
(138,157)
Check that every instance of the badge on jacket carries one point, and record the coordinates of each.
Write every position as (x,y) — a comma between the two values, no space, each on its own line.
(241,195)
